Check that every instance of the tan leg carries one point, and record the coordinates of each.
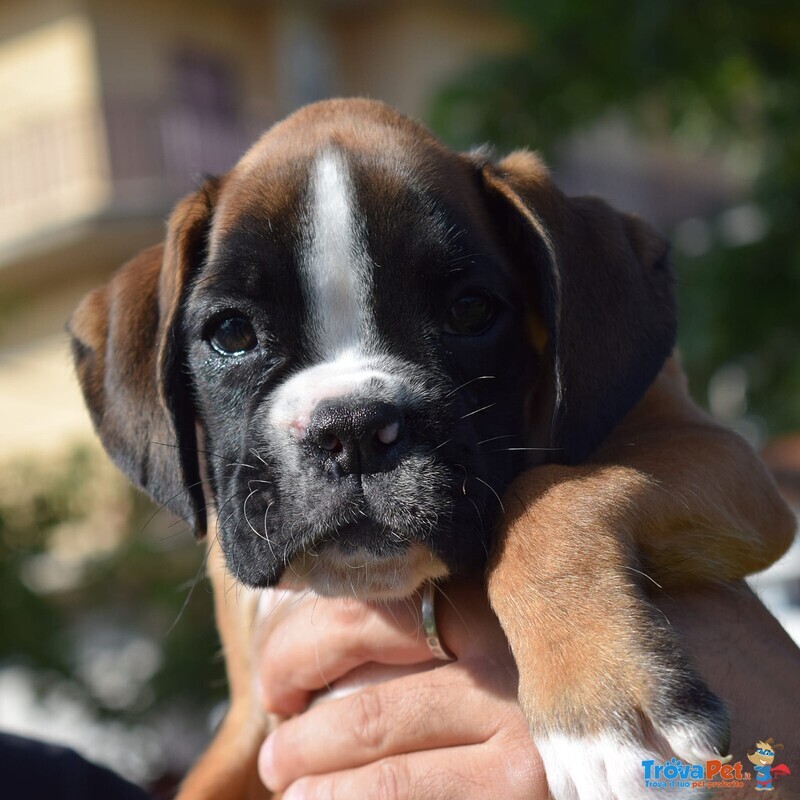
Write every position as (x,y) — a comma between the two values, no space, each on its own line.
(671,498)
(227,769)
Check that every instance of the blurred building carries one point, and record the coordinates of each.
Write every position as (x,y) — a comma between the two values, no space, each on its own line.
(113,108)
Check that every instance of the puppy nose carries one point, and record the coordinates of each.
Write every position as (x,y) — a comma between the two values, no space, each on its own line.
(361,438)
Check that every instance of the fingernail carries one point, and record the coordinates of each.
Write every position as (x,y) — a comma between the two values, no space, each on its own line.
(266,762)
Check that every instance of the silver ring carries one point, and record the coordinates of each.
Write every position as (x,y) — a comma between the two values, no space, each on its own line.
(438,650)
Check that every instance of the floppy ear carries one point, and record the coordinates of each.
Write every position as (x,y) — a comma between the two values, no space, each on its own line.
(128,354)
(603,287)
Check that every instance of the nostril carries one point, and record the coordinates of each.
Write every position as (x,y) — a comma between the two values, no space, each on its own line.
(389,433)
(357,437)
(330,442)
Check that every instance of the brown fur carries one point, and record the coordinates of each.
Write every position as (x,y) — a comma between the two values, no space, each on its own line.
(228,767)
(669,496)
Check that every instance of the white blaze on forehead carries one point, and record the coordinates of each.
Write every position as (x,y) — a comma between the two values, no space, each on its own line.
(336,264)
(335,267)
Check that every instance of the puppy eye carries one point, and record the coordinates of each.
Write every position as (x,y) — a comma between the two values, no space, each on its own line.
(232,336)
(471,314)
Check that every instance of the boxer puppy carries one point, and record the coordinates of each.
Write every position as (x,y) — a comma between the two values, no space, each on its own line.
(362,338)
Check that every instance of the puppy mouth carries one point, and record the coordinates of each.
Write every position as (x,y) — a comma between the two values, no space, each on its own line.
(363,535)
(359,561)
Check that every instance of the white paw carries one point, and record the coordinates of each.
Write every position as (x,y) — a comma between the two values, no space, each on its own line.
(609,766)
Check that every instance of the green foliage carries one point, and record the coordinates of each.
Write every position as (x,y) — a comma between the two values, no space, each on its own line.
(78,544)
(720,76)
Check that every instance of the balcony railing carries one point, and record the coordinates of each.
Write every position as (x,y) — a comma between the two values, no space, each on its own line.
(131,157)
(163,148)
(51,169)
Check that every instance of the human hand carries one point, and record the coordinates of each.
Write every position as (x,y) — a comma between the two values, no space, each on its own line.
(450,731)
(455,730)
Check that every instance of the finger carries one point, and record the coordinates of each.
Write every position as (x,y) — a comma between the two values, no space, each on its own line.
(311,642)
(458,704)
(320,640)
(477,772)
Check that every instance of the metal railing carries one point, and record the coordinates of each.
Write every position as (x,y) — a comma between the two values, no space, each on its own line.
(166,146)
(127,155)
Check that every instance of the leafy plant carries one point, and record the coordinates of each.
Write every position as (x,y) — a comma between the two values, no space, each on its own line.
(720,77)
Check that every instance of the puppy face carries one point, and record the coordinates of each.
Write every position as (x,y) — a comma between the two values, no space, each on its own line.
(367,336)
(360,365)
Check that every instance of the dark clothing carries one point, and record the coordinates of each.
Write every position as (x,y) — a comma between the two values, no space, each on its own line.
(31,770)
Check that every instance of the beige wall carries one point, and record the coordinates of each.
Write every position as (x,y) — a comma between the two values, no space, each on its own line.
(41,410)
(137,40)
(46,70)
(403,52)
(69,60)
(52,156)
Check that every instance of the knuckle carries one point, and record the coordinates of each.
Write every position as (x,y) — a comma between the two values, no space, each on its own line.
(275,697)
(368,717)
(269,697)
(350,613)
(521,772)
(391,780)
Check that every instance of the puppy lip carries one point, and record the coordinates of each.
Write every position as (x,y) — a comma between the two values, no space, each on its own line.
(363,574)
(364,534)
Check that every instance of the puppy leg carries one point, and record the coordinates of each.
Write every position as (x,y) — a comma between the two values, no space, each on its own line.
(604,681)
(227,770)
(697,501)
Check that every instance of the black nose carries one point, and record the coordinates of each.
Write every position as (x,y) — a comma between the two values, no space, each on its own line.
(357,438)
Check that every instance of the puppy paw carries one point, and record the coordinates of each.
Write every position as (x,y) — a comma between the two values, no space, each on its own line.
(607,766)
(683,716)
(668,720)
(608,688)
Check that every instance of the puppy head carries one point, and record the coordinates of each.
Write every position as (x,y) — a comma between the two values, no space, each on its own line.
(375,335)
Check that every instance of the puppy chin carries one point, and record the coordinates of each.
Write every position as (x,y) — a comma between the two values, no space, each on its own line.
(336,572)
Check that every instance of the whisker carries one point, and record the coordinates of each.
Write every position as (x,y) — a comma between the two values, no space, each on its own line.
(478,410)
(480,519)
(416,614)
(233,561)
(537,449)
(455,608)
(222,508)
(495,438)
(247,520)
(201,570)
(256,454)
(491,489)
(644,575)
(266,534)
(185,519)
(467,383)
(169,500)
(193,450)
(466,476)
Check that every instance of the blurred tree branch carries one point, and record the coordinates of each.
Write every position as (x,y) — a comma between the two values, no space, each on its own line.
(719,76)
